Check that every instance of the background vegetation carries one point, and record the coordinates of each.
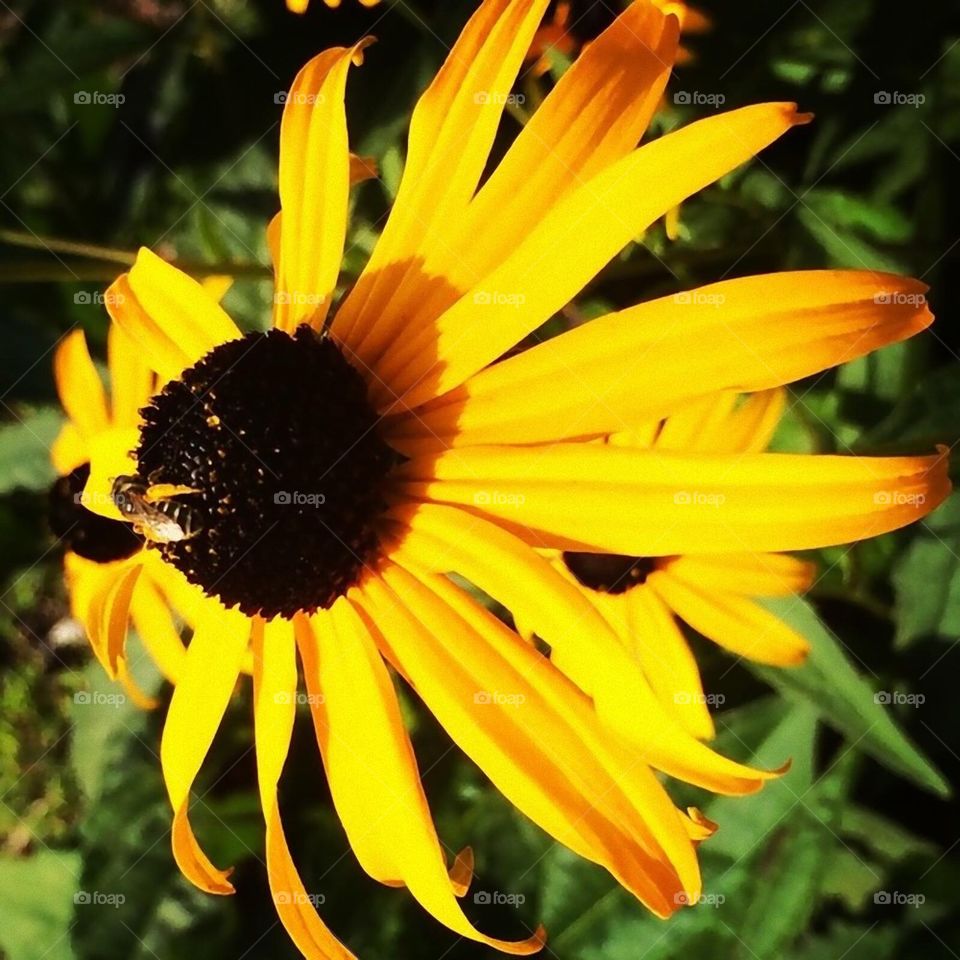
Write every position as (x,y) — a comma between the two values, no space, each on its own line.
(853,854)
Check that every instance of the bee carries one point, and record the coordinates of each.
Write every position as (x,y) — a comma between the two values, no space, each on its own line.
(152,510)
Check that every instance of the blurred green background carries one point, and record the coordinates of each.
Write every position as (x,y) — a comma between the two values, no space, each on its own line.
(853,854)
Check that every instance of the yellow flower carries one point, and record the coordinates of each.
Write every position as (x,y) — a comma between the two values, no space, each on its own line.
(105,557)
(337,468)
(640,597)
(300,6)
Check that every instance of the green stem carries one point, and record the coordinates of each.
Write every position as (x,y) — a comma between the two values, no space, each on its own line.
(90,251)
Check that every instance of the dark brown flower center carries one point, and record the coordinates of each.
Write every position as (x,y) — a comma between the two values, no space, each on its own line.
(274,435)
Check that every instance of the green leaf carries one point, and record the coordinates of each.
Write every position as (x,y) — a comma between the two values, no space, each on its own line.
(25,450)
(38,903)
(844,699)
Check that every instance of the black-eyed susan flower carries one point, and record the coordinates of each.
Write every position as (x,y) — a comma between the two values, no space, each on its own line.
(642,598)
(105,556)
(300,6)
(339,466)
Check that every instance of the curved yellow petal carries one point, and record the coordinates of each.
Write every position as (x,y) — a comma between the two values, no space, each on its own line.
(698,426)
(314,188)
(654,638)
(111,456)
(131,378)
(372,771)
(735,622)
(451,133)
(274,707)
(69,450)
(186,316)
(646,503)
(108,615)
(595,115)
(578,236)
(138,698)
(750,428)
(506,569)
(154,623)
(748,574)
(533,734)
(747,334)
(197,706)
(79,386)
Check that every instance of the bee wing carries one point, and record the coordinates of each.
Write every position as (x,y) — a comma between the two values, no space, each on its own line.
(164,491)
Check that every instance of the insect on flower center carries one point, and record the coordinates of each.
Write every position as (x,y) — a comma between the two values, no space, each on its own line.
(609,572)
(261,474)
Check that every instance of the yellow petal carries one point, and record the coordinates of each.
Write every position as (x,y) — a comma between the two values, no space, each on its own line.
(748,334)
(645,503)
(178,306)
(274,697)
(578,236)
(111,456)
(749,574)
(131,378)
(534,735)
(735,622)
(372,772)
(751,427)
(698,426)
(138,698)
(503,567)
(197,706)
(451,133)
(69,450)
(595,115)
(314,187)
(154,623)
(109,615)
(659,645)
(79,386)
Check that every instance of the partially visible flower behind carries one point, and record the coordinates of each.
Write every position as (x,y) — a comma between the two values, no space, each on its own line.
(341,465)
(642,598)
(300,6)
(104,558)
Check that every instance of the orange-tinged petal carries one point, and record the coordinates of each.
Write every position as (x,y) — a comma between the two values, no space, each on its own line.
(698,426)
(735,622)
(751,427)
(534,735)
(108,616)
(197,706)
(451,133)
(154,623)
(314,188)
(274,695)
(595,115)
(178,306)
(578,236)
(79,386)
(748,334)
(131,378)
(372,771)
(652,635)
(133,690)
(646,503)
